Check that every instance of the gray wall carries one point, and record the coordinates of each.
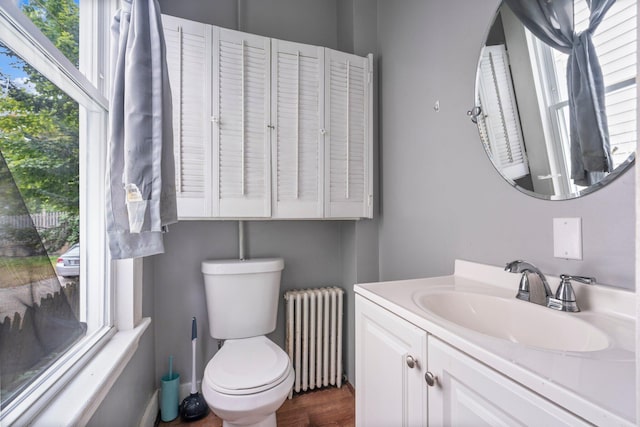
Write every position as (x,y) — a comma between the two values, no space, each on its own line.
(316,253)
(357,27)
(440,196)
(125,403)
(312,257)
(304,21)
(452,204)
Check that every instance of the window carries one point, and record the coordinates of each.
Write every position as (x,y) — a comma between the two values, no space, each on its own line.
(53,123)
(615,43)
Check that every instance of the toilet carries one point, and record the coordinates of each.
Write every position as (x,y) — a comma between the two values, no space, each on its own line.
(249,378)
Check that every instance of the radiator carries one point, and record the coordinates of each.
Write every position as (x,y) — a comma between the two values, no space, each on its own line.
(314,337)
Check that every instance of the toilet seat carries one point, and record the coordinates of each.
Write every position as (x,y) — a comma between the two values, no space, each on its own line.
(247,366)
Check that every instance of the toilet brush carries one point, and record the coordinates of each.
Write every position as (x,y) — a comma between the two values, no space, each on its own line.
(193,407)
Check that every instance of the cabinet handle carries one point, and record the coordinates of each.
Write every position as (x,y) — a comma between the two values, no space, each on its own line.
(430,379)
(411,362)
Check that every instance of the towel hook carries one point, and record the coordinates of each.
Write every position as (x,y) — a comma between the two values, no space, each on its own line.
(474,113)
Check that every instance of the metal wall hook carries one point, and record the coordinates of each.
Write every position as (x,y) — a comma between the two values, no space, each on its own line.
(474,113)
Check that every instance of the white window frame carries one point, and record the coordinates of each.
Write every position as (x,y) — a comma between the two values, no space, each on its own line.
(72,389)
(550,107)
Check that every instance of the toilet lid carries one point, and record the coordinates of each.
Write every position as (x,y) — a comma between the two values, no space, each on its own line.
(246,366)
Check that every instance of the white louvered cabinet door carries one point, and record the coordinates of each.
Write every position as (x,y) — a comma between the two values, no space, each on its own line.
(348,115)
(241,120)
(188,58)
(297,113)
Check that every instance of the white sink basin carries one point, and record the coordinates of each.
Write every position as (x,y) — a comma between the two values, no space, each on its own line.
(514,320)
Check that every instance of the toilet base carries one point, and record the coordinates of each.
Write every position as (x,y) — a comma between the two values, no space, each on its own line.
(269,421)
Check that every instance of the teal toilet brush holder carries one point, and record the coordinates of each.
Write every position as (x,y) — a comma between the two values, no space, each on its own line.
(169,394)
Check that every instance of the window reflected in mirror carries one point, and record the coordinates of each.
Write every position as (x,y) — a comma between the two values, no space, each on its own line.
(523,94)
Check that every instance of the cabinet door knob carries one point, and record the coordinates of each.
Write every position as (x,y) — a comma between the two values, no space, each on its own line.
(411,362)
(430,379)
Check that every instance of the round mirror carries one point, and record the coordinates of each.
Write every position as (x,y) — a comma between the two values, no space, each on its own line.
(555,100)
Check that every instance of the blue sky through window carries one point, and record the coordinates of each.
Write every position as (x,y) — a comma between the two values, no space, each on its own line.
(10,66)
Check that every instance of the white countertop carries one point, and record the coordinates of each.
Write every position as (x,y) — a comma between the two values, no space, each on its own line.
(598,385)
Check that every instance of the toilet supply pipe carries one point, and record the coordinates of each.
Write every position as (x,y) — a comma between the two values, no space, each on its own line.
(241,240)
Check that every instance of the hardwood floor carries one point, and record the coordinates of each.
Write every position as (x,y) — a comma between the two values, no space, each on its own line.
(326,407)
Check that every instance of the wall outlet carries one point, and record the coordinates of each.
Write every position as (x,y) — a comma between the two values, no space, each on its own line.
(567,238)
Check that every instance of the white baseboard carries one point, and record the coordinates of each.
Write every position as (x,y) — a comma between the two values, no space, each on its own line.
(151,412)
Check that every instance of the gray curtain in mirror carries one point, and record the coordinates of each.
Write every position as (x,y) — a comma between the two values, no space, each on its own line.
(552,22)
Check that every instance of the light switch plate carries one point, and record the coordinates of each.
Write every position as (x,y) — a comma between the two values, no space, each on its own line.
(567,238)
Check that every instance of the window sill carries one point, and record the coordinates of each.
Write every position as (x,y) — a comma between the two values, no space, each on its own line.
(81,397)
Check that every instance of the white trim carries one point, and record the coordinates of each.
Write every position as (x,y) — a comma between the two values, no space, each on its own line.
(78,401)
(128,293)
(85,375)
(637,270)
(40,392)
(151,412)
(94,59)
(23,37)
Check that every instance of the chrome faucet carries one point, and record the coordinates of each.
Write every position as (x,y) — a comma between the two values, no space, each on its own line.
(565,297)
(524,290)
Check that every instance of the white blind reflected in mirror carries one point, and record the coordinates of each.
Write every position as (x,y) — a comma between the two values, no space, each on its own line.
(499,122)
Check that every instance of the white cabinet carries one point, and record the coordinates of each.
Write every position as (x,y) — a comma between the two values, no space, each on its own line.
(348,148)
(469,393)
(466,392)
(188,52)
(265,128)
(390,366)
(297,116)
(241,124)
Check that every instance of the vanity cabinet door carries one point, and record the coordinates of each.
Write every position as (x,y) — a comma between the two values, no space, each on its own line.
(390,366)
(468,393)
(188,45)
(348,139)
(241,124)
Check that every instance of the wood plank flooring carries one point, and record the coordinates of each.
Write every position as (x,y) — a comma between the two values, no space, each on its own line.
(333,407)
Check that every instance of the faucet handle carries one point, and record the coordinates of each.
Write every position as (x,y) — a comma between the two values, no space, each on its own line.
(565,299)
(581,279)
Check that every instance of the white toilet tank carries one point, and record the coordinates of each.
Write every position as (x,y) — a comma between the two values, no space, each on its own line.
(242,296)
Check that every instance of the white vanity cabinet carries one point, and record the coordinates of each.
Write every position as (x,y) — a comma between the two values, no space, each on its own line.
(265,128)
(466,392)
(391,359)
